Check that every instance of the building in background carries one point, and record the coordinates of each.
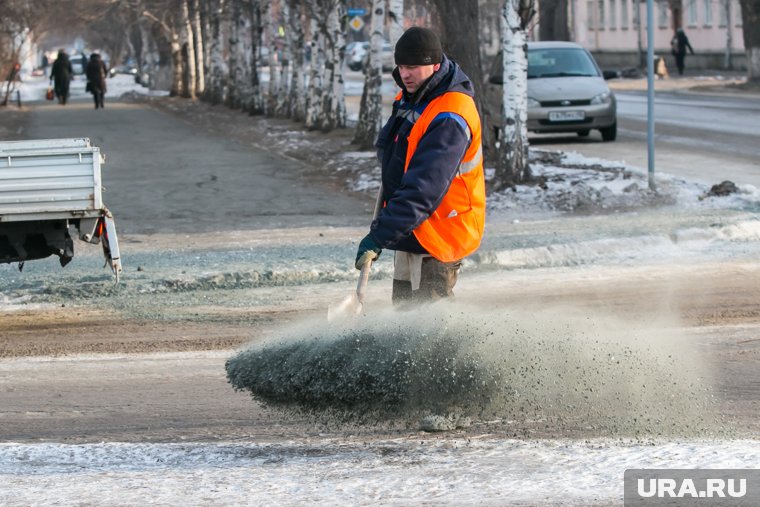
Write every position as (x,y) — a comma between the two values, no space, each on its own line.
(616,32)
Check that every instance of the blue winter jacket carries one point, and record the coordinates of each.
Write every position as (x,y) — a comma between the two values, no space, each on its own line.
(411,197)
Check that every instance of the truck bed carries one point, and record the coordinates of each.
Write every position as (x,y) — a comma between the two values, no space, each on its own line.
(49,179)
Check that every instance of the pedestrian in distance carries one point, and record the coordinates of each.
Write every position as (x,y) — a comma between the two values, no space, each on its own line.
(431,157)
(96,73)
(60,74)
(678,45)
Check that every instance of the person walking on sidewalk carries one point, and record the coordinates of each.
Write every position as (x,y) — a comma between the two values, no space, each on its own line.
(60,74)
(433,192)
(96,79)
(678,45)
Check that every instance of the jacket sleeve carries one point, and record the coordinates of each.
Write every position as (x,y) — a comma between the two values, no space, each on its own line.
(426,181)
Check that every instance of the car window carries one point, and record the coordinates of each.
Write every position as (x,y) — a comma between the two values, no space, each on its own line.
(560,62)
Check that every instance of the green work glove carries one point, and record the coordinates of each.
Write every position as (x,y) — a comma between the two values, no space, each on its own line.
(368,251)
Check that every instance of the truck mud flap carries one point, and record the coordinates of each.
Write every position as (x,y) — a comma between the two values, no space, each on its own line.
(106,231)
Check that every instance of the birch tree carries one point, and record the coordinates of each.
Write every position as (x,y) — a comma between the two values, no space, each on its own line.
(750,23)
(255,99)
(285,61)
(512,164)
(189,60)
(371,106)
(274,101)
(316,76)
(217,80)
(297,87)
(198,46)
(235,72)
(334,100)
(396,20)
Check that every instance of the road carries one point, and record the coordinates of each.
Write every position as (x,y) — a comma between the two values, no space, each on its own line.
(706,138)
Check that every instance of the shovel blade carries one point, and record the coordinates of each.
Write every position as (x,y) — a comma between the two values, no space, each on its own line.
(348,307)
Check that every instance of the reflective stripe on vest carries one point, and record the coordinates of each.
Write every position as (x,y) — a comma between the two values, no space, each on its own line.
(455,228)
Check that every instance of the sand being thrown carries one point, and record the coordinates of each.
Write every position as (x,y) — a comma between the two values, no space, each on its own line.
(556,370)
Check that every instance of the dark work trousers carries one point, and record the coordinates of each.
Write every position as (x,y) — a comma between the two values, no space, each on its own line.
(436,282)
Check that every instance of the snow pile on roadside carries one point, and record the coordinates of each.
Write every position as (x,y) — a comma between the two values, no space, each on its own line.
(570,182)
(454,471)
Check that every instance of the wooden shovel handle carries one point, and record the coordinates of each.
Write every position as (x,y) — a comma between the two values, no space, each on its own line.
(361,286)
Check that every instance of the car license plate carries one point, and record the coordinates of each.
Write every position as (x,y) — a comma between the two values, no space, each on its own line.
(566,115)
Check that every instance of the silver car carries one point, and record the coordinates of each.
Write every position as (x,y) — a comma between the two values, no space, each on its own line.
(566,91)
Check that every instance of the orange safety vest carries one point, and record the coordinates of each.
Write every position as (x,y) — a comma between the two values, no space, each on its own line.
(455,228)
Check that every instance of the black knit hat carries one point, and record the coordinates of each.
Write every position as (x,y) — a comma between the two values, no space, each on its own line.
(418,46)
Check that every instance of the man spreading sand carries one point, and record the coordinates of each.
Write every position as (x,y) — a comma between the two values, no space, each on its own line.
(432,173)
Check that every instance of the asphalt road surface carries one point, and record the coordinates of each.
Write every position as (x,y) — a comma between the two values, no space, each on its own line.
(703,137)
(176,177)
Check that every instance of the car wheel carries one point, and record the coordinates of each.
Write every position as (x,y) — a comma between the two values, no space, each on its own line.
(583,133)
(609,133)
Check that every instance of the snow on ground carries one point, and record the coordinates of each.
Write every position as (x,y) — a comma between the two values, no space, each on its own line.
(392,472)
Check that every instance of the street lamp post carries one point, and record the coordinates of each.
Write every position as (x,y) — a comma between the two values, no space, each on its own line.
(650,92)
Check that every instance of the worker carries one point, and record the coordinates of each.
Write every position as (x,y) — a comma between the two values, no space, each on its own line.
(433,183)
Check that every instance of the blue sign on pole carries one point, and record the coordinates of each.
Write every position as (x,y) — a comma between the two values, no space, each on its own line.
(356,11)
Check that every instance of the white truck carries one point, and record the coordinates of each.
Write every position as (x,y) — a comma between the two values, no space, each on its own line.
(48,188)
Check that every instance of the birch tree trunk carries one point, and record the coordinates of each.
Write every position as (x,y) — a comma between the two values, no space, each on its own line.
(270,26)
(371,109)
(205,11)
(750,23)
(233,52)
(198,39)
(188,52)
(244,49)
(217,82)
(512,165)
(147,52)
(316,77)
(286,64)
(396,20)
(297,98)
(255,99)
(726,6)
(334,103)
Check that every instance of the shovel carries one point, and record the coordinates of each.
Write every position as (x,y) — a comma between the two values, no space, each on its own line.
(353,303)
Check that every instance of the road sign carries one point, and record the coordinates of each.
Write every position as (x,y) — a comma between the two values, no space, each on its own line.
(356,23)
(356,11)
